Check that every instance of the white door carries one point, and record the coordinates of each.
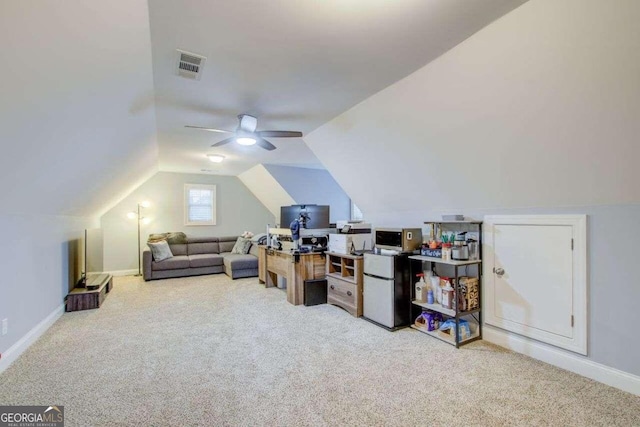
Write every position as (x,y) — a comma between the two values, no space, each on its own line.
(377,300)
(534,284)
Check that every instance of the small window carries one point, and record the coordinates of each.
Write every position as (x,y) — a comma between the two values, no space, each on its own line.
(356,213)
(199,204)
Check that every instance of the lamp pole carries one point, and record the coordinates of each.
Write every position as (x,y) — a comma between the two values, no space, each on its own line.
(139,260)
(137,215)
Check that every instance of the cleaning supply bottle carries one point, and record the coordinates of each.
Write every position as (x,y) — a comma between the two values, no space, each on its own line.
(435,287)
(421,288)
(430,296)
(448,295)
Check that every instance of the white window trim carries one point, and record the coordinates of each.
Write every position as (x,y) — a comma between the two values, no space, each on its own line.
(214,204)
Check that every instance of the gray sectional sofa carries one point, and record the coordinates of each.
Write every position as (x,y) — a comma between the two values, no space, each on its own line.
(202,255)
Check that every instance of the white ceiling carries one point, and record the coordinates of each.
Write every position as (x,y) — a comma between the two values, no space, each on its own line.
(70,143)
(294,64)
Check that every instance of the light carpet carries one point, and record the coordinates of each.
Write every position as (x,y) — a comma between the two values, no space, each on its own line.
(211,351)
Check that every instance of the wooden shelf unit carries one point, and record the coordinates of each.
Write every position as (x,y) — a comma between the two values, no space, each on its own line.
(344,281)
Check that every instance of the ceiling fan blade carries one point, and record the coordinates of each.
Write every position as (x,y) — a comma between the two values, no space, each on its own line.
(224,141)
(209,129)
(280,133)
(265,144)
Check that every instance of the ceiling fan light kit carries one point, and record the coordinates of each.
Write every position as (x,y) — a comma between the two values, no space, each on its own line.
(245,140)
(246,133)
(215,158)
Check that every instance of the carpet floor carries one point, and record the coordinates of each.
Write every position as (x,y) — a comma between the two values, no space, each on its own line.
(211,351)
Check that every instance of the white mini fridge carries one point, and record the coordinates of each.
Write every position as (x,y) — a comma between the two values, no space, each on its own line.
(387,290)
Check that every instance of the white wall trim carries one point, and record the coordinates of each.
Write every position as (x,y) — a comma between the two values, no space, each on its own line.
(9,356)
(119,273)
(563,359)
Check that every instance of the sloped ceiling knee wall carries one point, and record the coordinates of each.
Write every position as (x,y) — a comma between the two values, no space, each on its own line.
(266,189)
(526,112)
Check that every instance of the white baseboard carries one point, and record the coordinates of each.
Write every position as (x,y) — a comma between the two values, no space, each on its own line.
(563,359)
(9,356)
(118,273)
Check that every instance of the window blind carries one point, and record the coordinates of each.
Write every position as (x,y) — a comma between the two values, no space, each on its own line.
(200,205)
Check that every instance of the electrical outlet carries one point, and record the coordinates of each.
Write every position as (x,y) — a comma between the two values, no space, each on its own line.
(5,326)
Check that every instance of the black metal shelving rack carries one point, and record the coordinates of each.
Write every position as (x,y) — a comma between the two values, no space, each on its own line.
(476,314)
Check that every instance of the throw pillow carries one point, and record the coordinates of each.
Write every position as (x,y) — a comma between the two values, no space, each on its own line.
(160,250)
(242,246)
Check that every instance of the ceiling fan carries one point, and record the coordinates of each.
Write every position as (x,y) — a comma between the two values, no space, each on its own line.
(246,133)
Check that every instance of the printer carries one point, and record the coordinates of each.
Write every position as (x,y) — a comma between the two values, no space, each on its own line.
(350,237)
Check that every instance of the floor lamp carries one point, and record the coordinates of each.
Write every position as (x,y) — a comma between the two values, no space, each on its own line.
(138,215)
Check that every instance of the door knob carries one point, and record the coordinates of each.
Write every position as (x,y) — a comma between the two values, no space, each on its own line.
(499,271)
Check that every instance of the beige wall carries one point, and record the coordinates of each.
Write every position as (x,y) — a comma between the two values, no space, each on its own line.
(237,210)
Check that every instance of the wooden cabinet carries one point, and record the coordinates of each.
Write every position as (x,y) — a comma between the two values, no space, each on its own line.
(294,267)
(344,282)
(262,263)
(88,298)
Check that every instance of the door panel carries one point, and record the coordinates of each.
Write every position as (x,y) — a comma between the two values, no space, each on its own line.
(379,265)
(378,300)
(534,281)
(537,286)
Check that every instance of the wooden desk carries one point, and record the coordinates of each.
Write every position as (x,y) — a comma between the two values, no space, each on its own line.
(295,268)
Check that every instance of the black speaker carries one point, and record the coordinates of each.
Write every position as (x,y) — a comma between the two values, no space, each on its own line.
(315,292)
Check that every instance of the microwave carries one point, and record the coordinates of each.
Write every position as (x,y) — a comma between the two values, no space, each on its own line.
(398,239)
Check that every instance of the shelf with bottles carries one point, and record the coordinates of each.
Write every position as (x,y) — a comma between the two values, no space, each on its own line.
(449,294)
(453,242)
(447,262)
(440,309)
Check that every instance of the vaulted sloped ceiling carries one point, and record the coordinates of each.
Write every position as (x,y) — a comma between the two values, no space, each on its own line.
(73,73)
(540,108)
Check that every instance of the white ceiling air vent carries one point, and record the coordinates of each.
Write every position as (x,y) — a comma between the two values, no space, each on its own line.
(189,65)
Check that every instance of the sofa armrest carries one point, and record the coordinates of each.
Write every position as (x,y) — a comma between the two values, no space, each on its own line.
(146,264)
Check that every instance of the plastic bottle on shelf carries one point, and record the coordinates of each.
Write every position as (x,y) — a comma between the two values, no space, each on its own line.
(435,287)
(430,296)
(448,296)
(421,288)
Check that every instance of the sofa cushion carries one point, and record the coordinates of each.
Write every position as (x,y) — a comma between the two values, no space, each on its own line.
(253,250)
(178,261)
(227,243)
(202,240)
(203,248)
(160,250)
(205,260)
(238,261)
(179,249)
